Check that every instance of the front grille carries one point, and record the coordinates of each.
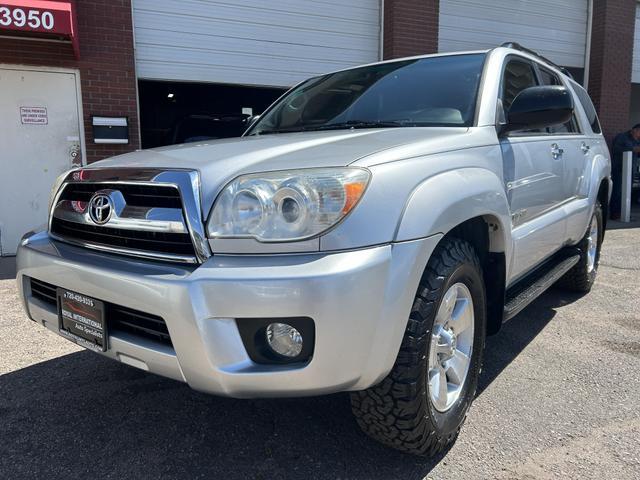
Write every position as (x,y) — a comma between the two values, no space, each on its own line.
(172,243)
(118,319)
(138,195)
(156,202)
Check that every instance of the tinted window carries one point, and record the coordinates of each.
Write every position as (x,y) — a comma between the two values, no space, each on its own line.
(589,109)
(437,91)
(549,78)
(518,75)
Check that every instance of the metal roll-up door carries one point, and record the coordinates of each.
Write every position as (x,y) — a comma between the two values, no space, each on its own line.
(253,42)
(556,29)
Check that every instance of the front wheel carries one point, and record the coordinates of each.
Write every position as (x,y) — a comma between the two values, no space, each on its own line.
(421,405)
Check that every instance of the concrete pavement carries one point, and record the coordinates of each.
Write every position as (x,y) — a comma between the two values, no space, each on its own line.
(558,398)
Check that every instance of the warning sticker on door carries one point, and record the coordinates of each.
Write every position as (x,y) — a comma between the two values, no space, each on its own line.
(34,115)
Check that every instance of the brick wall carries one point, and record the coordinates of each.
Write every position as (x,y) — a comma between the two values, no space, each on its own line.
(106,64)
(410,27)
(611,61)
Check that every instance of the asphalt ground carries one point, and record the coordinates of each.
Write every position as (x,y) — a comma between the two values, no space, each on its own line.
(559,397)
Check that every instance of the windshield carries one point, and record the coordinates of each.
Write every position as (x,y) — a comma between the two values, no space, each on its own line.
(426,92)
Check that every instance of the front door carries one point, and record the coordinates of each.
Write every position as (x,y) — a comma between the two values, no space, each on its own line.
(39,139)
(534,175)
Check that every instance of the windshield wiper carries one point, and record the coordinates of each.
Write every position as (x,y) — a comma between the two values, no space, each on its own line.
(358,124)
(334,126)
(282,130)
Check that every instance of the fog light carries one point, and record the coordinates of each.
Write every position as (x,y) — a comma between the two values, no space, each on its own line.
(284,339)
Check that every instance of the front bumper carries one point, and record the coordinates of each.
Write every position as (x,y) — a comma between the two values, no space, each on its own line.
(359,300)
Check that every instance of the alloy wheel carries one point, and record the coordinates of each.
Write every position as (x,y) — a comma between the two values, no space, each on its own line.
(451,347)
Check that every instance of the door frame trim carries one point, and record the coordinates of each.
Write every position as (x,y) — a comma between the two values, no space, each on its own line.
(76,73)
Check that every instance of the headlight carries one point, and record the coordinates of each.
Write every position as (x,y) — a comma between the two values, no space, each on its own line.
(286,205)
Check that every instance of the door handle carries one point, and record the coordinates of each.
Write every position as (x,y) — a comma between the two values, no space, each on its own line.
(585,148)
(556,151)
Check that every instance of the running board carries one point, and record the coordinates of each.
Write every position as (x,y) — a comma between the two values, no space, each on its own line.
(516,303)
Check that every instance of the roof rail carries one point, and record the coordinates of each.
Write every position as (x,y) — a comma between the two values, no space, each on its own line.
(517,46)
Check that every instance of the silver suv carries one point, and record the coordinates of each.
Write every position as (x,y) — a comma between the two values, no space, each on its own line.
(364,235)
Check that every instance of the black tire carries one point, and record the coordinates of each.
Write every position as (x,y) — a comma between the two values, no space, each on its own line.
(398,412)
(580,278)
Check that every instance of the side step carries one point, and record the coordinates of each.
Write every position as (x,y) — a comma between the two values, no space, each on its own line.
(546,276)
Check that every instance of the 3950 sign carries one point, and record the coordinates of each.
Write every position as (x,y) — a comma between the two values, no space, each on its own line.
(14,17)
(19,17)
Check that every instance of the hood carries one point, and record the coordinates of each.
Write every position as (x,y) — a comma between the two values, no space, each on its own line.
(220,161)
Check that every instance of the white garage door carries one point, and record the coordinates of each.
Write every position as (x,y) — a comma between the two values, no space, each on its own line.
(556,29)
(253,42)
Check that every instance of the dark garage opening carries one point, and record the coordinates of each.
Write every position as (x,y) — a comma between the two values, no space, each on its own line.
(179,112)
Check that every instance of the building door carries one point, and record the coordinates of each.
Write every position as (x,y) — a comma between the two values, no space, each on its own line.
(39,139)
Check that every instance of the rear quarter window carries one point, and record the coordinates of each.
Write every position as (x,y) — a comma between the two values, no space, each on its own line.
(588,107)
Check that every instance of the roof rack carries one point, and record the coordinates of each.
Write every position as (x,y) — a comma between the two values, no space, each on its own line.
(517,46)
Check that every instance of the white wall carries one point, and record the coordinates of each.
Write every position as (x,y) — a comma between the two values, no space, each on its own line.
(635,76)
(634,114)
(556,29)
(253,42)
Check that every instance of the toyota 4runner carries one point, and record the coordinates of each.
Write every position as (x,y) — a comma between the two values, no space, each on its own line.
(364,235)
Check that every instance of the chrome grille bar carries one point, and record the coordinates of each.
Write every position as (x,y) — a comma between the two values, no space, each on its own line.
(167,220)
(163,221)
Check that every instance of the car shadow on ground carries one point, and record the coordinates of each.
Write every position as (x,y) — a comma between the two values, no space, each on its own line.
(81,415)
(516,334)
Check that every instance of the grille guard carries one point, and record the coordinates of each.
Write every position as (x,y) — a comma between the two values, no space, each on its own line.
(186,181)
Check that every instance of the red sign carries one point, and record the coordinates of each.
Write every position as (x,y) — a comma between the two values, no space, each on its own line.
(40,17)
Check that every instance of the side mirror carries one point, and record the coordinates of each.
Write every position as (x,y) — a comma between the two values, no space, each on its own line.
(251,120)
(539,107)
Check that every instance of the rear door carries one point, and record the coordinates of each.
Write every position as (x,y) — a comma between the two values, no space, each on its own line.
(571,141)
(533,172)
(592,147)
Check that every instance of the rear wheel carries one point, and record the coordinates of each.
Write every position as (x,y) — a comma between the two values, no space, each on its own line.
(582,276)
(421,405)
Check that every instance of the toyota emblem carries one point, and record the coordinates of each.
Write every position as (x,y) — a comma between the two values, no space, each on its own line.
(100,208)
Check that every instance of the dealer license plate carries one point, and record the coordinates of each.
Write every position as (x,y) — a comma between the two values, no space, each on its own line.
(82,320)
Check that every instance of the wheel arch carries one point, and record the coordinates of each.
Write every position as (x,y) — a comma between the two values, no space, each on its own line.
(598,184)
(470,204)
(447,200)
(485,235)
